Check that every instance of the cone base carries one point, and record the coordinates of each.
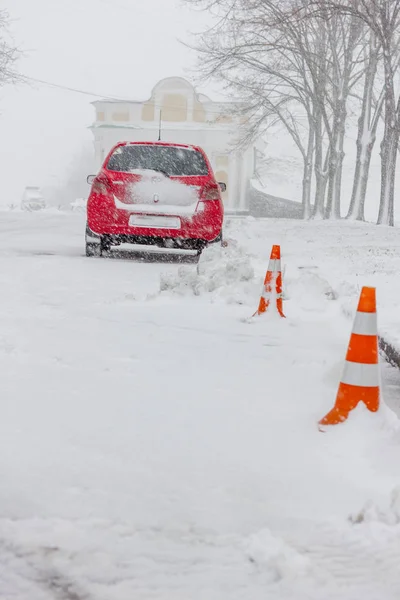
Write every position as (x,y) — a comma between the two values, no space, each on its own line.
(334,417)
(348,397)
(258,313)
(265,305)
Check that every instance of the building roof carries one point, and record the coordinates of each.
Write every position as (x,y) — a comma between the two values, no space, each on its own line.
(169,82)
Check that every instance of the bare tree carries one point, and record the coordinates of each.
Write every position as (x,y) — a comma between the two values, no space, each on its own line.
(268,103)
(383,18)
(305,63)
(332,42)
(344,38)
(254,62)
(8,52)
(371,111)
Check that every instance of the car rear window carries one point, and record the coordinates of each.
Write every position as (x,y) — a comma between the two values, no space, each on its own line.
(167,159)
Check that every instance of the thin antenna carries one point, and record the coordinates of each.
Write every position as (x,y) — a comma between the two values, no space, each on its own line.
(159,127)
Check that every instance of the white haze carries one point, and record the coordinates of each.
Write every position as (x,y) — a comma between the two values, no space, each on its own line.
(119,48)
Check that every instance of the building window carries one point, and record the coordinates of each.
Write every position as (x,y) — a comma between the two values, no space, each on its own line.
(120,116)
(199,114)
(174,108)
(148,112)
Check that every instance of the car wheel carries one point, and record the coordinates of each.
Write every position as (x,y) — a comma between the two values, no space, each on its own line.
(200,248)
(93,249)
(105,246)
(92,243)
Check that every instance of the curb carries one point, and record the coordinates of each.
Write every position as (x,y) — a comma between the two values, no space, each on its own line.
(392,355)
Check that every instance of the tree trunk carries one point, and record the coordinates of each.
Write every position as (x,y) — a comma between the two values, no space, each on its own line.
(337,192)
(389,147)
(388,174)
(307,172)
(320,177)
(325,172)
(331,177)
(336,165)
(361,176)
(366,136)
(342,68)
(365,143)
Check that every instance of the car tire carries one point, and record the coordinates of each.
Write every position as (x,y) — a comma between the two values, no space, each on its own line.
(105,246)
(93,243)
(93,249)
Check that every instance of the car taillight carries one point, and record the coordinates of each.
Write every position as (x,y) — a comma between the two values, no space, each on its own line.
(210,192)
(101,185)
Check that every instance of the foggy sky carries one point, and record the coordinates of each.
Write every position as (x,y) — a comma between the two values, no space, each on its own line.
(119,48)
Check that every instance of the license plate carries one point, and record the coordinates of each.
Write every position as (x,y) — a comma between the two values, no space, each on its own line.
(155,221)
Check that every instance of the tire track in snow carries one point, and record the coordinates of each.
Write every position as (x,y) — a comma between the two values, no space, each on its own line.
(332,560)
(28,571)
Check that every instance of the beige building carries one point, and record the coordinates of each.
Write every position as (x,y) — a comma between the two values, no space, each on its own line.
(185,117)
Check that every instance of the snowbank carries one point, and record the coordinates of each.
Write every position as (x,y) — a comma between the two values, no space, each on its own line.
(223,272)
(170,448)
(235,276)
(334,560)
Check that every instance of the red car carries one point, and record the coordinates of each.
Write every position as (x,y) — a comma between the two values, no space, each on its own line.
(154,193)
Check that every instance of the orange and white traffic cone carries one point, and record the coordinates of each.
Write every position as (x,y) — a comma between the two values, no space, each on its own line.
(360,379)
(272,284)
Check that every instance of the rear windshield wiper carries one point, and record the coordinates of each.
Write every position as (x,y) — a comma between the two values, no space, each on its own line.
(161,171)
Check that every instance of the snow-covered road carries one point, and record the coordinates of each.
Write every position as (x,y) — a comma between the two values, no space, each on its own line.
(155,444)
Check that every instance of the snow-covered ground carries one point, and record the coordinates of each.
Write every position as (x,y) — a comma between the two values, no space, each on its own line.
(156,443)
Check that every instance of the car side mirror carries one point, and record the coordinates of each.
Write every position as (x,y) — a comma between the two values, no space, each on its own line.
(222,186)
(90,179)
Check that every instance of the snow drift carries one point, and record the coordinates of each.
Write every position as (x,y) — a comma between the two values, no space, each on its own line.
(222,272)
(168,449)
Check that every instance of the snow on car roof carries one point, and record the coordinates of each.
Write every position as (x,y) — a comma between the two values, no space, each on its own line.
(171,144)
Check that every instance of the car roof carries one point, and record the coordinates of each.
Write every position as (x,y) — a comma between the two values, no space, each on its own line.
(159,143)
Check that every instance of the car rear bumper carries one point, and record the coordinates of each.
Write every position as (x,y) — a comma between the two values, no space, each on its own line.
(179,243)
(108,221)
(160,242)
